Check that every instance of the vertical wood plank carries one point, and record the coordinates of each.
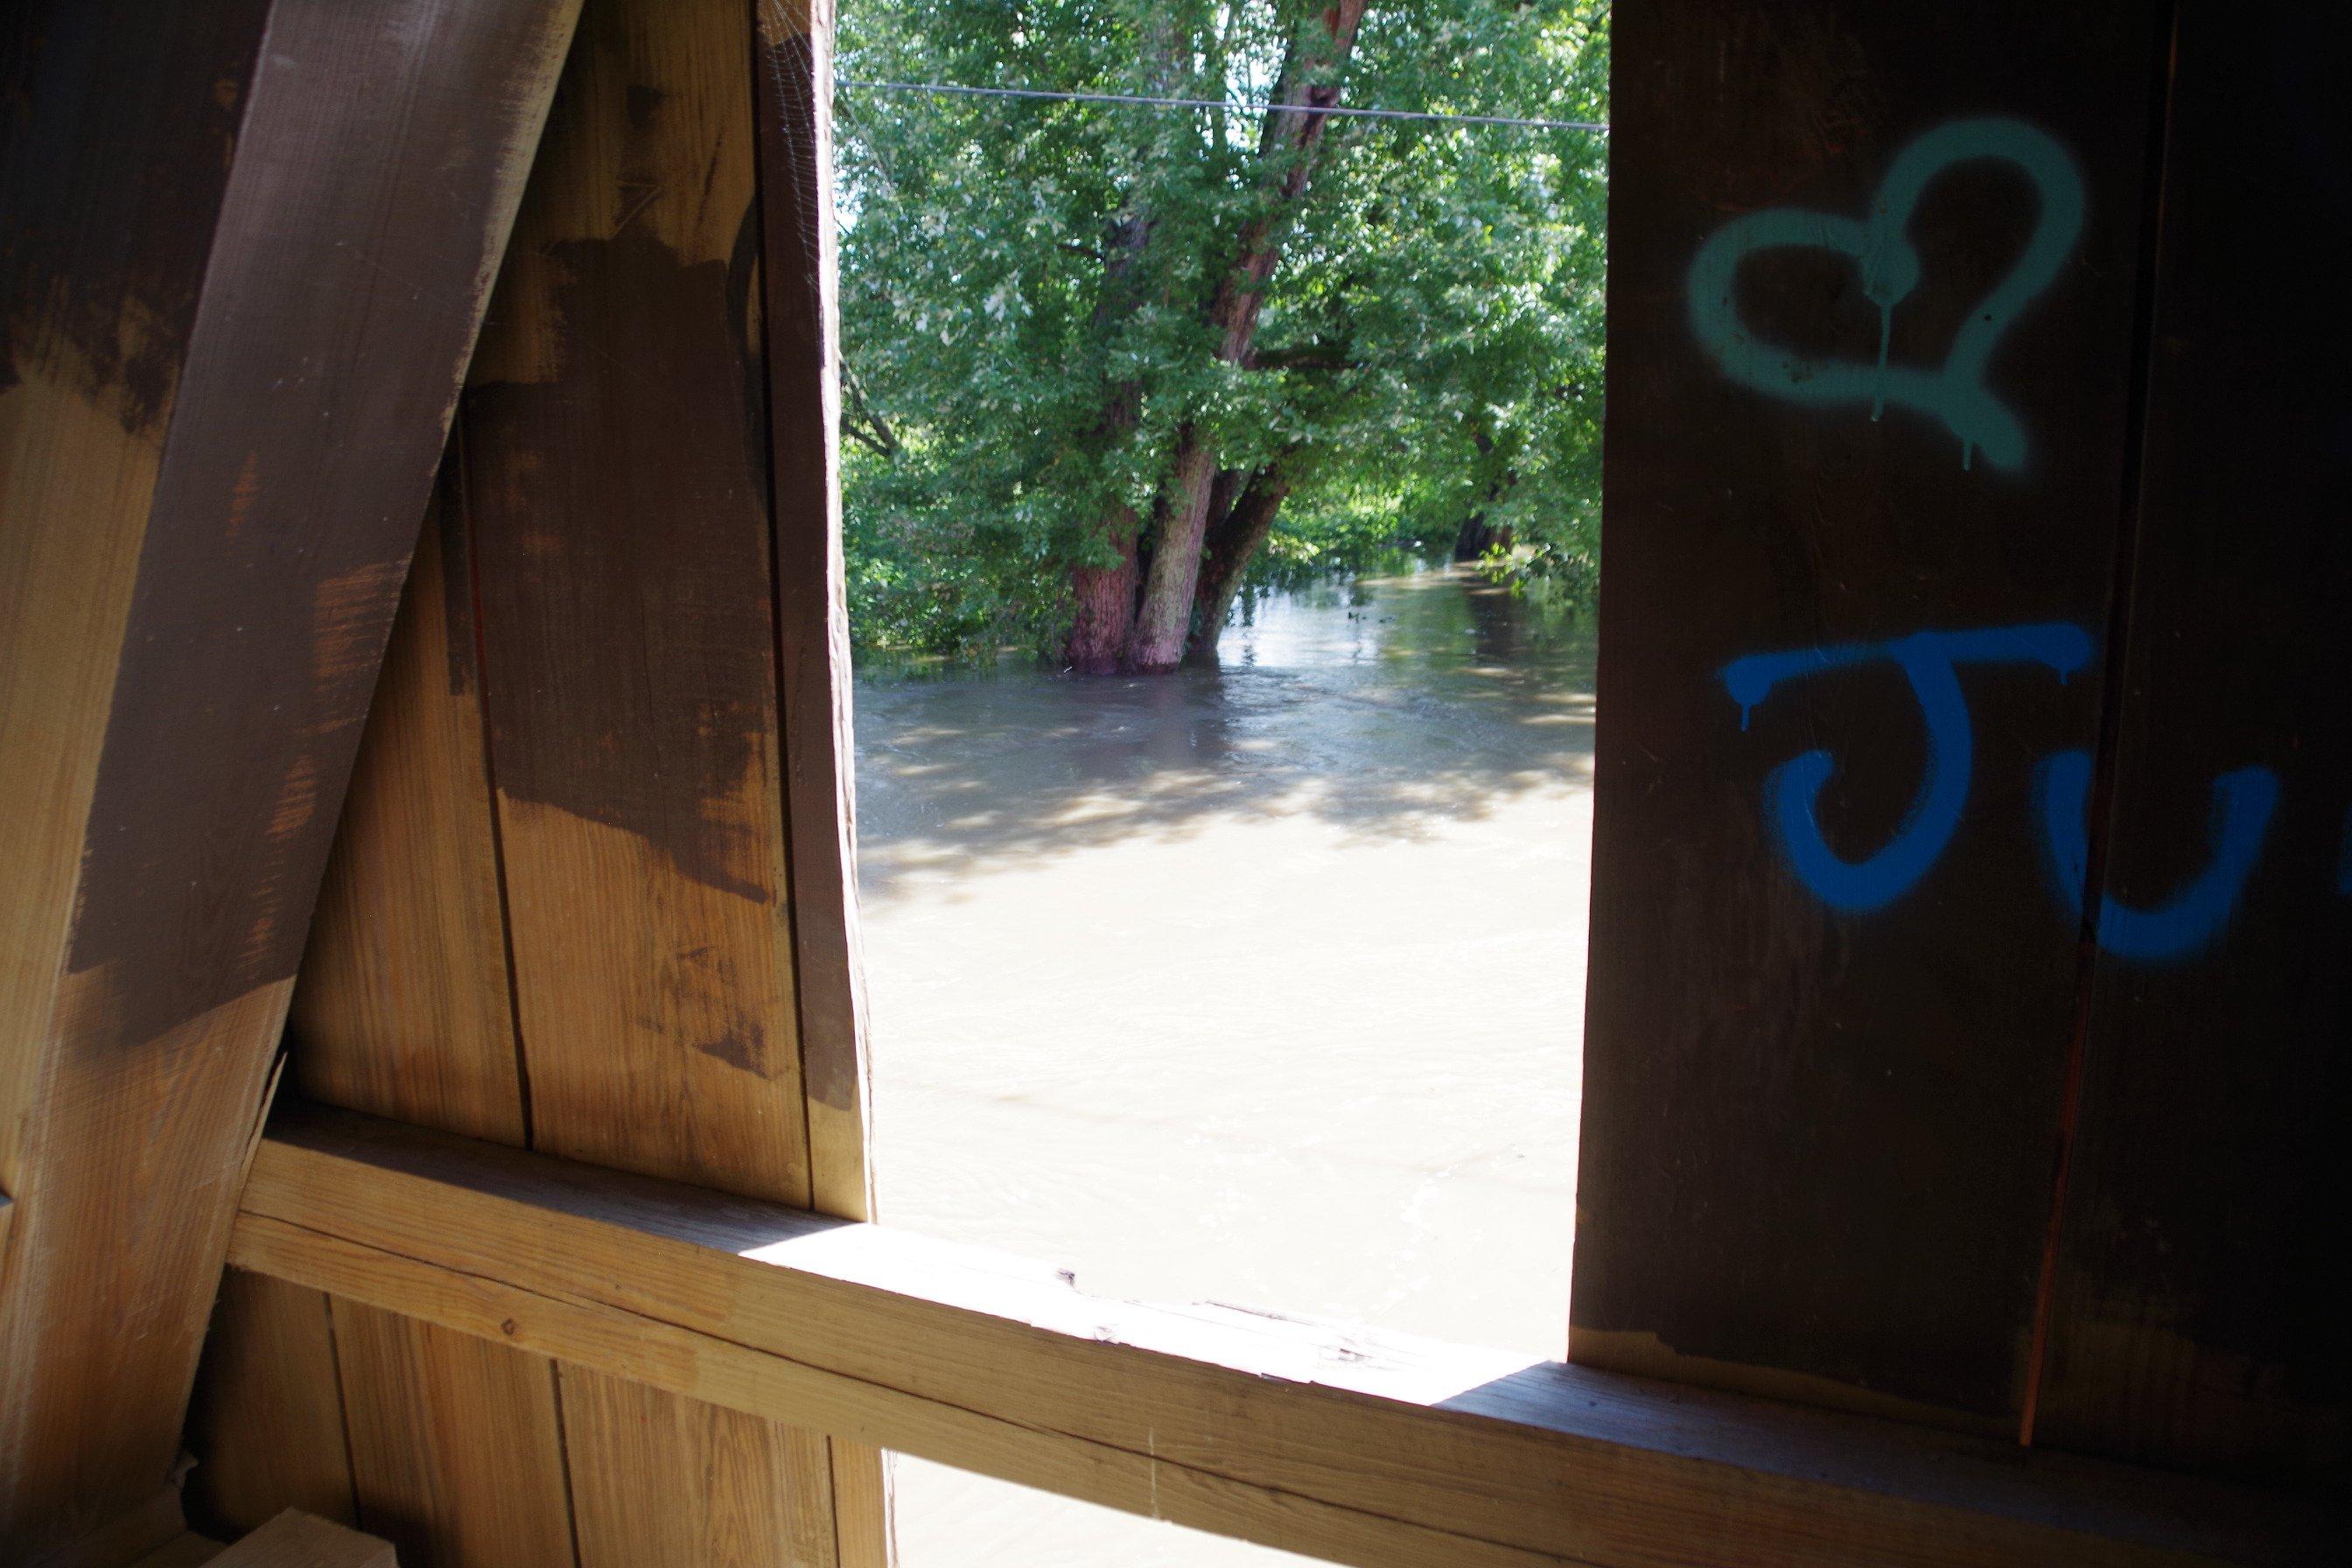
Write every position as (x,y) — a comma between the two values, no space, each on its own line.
(617,482)
(266,1425)
(1831,999)
(761,1492)
(420,1402)
(864,1515)
(804,387)
(617,475)
(2203,1265)
(402,1008)
(222,401)
(794,103)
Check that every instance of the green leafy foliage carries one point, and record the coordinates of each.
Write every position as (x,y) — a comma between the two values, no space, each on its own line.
(1430,348)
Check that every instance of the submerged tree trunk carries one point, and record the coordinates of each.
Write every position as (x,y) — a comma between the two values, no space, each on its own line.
(1236,534)
(1168,590)
(1105,600)
(1475,536)
(1287,152)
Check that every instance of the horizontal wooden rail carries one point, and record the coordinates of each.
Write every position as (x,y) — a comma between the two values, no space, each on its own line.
(1362,1450)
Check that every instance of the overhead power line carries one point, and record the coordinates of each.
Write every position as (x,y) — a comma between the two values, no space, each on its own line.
(953,90)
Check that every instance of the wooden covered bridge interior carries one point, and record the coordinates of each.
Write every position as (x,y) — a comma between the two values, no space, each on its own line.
(431,1075)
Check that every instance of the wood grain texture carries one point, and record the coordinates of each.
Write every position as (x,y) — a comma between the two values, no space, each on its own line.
(277,387)
(109,201)
(794,79)
(617,482)
(803,398)
(266,1425)
(2204,1258)
(402,1009)
(864,1506)
(297,1539)
(460,1459)
(760,1491)
(1818,1140)
(1361,1448)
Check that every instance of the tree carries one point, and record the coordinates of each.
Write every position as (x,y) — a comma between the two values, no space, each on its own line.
(1102,362)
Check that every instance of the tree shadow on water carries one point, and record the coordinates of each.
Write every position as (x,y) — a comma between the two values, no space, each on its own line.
(1431,701)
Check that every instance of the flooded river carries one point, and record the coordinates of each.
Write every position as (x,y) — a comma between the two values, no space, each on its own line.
(1261,986)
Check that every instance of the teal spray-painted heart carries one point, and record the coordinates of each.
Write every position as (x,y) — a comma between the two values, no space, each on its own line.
(1955,393)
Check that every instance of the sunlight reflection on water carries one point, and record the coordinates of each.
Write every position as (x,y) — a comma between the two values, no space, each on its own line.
(1262,984)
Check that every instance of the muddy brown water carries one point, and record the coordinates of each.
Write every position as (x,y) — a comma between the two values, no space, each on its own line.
(1262,985)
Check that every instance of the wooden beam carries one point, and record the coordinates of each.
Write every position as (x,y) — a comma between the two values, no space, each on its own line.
(1372,1451)
(246,249)
(798,279)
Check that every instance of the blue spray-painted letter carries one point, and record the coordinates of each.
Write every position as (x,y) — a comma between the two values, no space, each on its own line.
(1931,661)
(2243,802)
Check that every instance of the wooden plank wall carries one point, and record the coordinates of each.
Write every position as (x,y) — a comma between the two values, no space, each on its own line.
(2202,1264)
(1970,542)
(564,911)
(238,282)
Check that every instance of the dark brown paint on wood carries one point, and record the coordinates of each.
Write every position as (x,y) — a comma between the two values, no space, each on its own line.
(2204,1258)
(1817,1145)
(301,454)
(624,569)
(337,288)
(119,131)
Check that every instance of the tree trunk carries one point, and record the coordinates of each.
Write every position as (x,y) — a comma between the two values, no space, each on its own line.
(1287,152)
(1105,598)
(1233,541)
(1103,595)
(1474,537)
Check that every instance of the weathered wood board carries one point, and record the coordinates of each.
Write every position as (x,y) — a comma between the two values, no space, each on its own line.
(2204,1259)
(456,1444)
(1871,330)
(793,100)
(561,909)
(617,484)
(266,1425)
(1358,1446)
(402,1009)
(240,284)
